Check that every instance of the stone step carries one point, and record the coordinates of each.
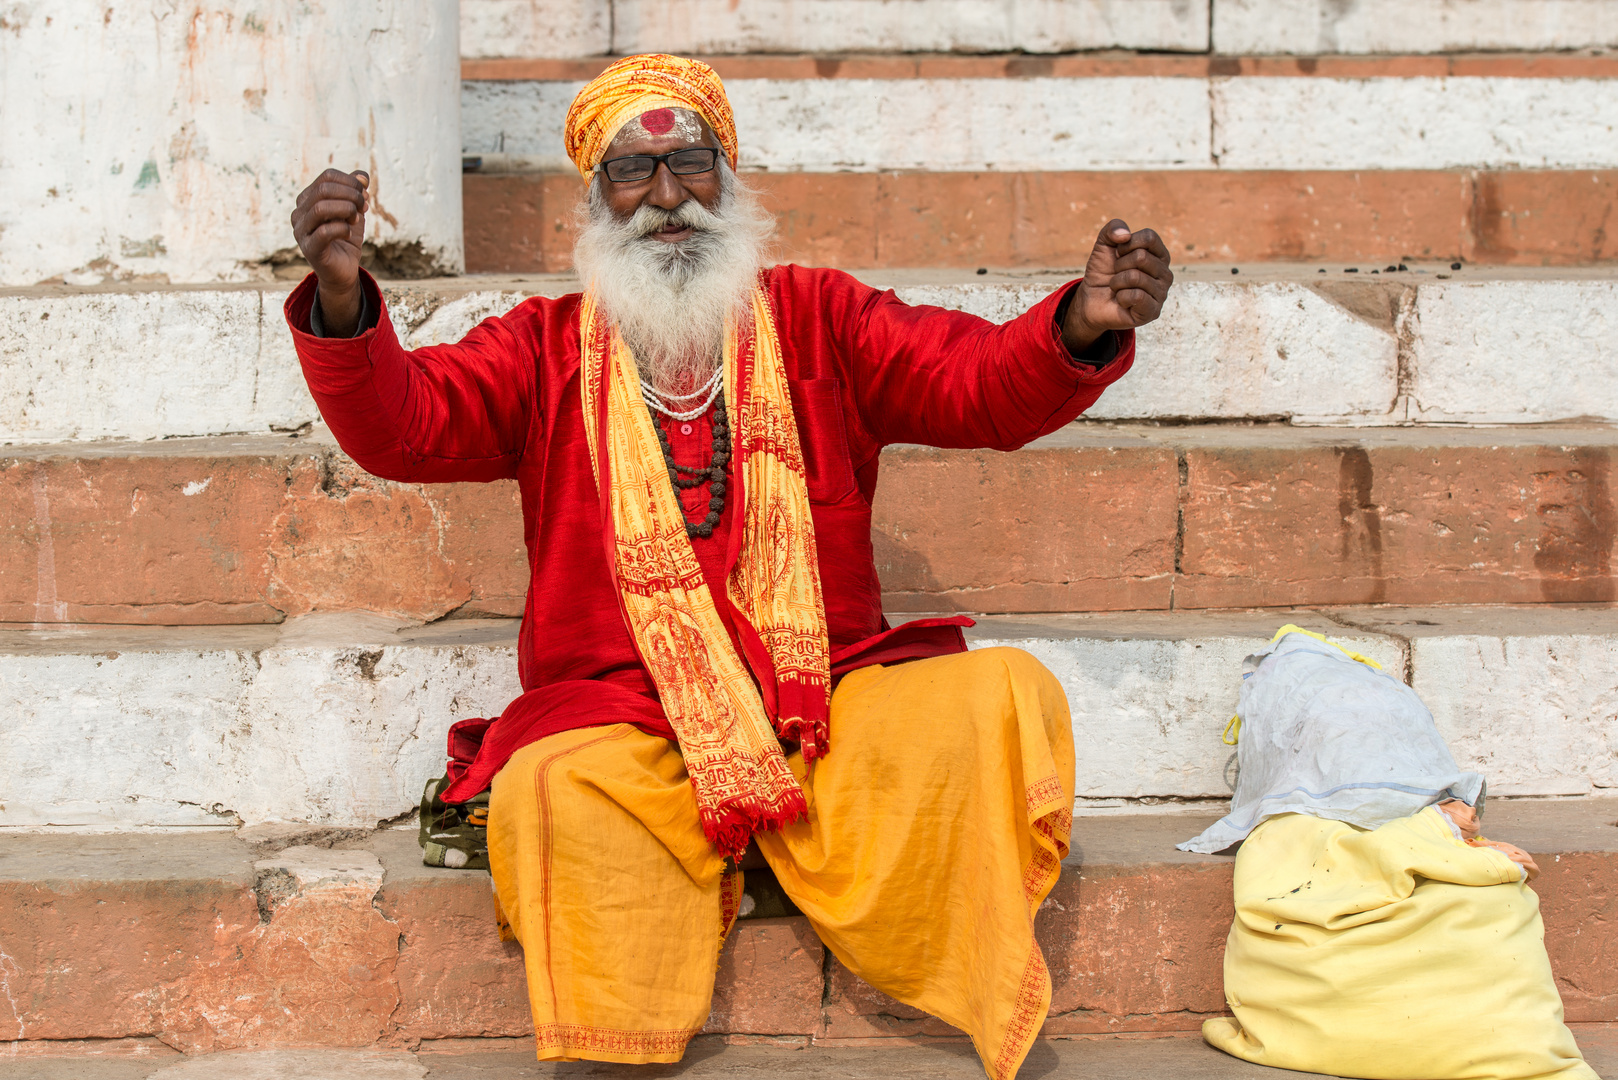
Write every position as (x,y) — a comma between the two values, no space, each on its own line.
(1097,517)
(1431,344)
(1105,122)
(524,221)
(1237,158)
(339,720)
(583,28)
(710,1057)
(209,940)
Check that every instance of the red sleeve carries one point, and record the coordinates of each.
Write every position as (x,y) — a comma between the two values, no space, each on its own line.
(445,413)
(945,378)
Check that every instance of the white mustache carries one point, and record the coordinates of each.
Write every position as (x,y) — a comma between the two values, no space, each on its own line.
(690,214)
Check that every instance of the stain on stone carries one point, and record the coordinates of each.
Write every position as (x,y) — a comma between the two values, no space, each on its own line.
(275,837)
(1030,67)
(411,307)
(1370,301)
(1577,527)
(396,259)
(273,888)
(367,662)
(1491,220)
(150,248)
(186,145)
(148,175)
(1360,519)
(336,478)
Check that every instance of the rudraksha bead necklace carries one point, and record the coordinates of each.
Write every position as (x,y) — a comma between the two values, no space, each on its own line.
(713,473)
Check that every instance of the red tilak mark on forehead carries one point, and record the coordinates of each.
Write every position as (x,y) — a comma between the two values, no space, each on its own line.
(658,121)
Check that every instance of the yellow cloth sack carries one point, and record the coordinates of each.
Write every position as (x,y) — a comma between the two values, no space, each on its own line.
(1397,952)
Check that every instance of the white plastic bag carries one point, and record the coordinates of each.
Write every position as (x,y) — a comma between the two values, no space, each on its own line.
(1327,734)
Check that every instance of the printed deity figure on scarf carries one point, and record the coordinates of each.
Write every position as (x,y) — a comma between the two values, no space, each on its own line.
(709,682)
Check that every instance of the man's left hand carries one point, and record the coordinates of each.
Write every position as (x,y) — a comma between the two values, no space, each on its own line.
(1125,284)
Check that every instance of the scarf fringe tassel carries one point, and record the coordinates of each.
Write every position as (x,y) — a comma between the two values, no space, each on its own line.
(731,826)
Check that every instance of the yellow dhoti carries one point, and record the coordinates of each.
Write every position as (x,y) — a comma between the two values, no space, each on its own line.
(935,828)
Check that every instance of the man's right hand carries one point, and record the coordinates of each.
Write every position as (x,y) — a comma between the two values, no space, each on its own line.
(329,225)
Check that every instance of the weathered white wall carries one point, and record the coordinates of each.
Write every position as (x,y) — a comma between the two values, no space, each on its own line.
(1471,352)
(571,28)
(167,139)
(1149,711)
(535,28)
(1036,26)
(1550,702)
(1413,123)
(1219,351)
(865,125)
(341,719)
(178,362)
(145,365)
(1411,26)
(319,721)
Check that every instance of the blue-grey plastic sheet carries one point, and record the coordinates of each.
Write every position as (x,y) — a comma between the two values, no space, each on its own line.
(1326,735)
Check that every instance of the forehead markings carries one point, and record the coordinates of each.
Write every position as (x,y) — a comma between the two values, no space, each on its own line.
(661,123)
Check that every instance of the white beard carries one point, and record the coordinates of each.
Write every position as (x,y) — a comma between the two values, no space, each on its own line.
(670,301)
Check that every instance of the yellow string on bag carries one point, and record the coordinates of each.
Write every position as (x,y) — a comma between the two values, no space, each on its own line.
(1233,730)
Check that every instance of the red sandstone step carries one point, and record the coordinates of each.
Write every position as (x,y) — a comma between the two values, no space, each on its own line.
(1098,517)
(178,935)
(524,222)
(709,1057)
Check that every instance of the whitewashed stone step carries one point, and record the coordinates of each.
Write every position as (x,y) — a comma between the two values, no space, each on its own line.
(1493,346)
(340,720)
(1128,123)
(1398,26)
(579,28)
(576,28)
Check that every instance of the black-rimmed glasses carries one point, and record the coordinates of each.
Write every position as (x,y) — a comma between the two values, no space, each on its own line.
(687,162)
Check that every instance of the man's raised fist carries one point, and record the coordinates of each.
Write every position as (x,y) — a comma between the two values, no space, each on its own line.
(329,225)
(1125,283)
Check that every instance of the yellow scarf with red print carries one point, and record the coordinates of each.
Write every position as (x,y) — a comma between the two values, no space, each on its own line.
(730,746)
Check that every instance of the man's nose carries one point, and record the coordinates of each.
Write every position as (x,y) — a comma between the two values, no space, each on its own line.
(667,192)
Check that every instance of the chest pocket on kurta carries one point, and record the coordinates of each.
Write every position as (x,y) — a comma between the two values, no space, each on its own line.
(817,405)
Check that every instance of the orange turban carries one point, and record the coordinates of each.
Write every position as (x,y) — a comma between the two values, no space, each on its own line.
(638,84)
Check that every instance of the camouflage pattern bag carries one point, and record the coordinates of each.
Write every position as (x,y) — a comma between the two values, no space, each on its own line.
(455,835)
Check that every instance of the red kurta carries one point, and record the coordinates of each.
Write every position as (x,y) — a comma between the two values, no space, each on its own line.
(865,371)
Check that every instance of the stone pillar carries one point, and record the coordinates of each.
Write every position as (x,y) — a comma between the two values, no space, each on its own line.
(166,140)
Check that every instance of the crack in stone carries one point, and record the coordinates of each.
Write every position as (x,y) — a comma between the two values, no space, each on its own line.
(1406,324)
(1181,493)
(8,968)
(1406,645)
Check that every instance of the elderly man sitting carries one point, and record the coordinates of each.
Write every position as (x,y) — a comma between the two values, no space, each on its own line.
(703,653)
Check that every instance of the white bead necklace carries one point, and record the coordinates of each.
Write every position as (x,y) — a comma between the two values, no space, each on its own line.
(661,402)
